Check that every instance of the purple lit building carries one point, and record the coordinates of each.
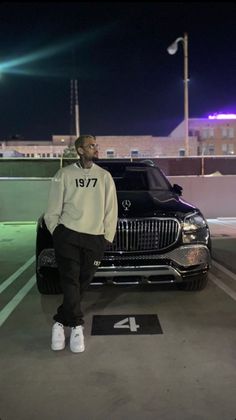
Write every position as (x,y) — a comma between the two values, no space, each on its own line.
(216,135)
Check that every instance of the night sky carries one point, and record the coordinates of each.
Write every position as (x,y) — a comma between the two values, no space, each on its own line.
(128,83)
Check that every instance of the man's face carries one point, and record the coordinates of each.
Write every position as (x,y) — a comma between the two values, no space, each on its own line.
(90,149)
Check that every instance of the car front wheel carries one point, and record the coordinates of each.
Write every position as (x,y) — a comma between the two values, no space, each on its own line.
(48,282)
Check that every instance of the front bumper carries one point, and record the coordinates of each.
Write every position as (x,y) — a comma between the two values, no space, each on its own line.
(174,266)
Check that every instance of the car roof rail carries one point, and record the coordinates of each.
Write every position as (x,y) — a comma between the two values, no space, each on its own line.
(148,162)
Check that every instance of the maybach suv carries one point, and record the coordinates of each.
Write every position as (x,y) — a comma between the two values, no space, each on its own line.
(160,238)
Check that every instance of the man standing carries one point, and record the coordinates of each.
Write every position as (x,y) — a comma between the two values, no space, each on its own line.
(82,218)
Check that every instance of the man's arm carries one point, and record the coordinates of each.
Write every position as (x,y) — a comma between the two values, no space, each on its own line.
(55,202)
(111,209)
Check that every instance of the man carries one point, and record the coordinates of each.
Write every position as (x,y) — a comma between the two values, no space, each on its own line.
(82,218)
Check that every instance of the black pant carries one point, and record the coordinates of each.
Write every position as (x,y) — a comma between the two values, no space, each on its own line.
(78,256)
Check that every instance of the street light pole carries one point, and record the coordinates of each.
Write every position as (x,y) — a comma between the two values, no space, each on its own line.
(186,106)
(172,49)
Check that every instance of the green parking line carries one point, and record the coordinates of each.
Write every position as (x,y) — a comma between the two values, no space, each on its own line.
(14,276)
(9,308)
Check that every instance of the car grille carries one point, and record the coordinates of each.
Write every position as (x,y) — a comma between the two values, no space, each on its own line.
(146,234)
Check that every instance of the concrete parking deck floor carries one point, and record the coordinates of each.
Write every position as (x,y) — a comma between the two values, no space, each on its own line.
(223,232)
(186,373)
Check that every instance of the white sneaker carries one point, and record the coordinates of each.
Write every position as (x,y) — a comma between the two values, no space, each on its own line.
(58,337)
(77,339)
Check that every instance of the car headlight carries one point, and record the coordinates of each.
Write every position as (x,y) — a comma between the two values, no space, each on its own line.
(195,229)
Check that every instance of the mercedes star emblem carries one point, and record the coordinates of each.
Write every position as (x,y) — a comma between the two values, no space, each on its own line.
(126,204)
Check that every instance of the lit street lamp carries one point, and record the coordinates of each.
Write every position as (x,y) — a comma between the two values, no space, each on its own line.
(172,49)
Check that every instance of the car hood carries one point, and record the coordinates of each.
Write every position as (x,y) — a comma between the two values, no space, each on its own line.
(152,203)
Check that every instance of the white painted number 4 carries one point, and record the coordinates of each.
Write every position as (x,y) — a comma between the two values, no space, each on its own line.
(127,323)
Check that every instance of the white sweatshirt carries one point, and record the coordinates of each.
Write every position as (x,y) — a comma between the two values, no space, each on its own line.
(83,200)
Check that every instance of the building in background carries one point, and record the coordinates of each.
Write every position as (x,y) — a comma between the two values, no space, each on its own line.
(207,136)
(216,135)
(109,147)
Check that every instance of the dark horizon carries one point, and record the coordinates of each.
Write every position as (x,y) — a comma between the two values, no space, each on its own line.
(128,83)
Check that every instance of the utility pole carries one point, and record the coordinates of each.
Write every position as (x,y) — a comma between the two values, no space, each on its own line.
(186,105)
(77,127)
(72,122)
(74,109)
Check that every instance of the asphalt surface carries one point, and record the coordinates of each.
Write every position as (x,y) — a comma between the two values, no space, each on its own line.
(187,372)
(223,234)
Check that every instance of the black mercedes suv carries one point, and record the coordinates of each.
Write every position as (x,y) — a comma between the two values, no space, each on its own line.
(160,238)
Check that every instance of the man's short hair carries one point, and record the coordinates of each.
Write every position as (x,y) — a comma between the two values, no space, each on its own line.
(79,142)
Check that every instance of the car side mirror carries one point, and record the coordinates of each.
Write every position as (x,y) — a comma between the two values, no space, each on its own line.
(177,189)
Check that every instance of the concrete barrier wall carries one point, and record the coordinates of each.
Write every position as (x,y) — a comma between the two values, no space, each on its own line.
(214,195)
(171,166)
(25,199)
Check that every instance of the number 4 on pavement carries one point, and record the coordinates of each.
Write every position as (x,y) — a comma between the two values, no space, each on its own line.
(129,323)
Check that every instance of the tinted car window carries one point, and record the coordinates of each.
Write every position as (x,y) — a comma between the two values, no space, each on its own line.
(132,181)
(157,181)
(140,179)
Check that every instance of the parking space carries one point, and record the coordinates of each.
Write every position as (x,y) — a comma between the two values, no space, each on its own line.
(186,372)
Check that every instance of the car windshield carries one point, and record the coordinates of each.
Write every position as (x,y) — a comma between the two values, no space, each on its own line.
(139,179)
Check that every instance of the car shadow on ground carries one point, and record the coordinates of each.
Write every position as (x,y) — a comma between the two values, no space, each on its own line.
(99,297)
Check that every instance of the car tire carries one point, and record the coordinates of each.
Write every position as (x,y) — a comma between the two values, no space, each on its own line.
(194,284)
(47,284)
